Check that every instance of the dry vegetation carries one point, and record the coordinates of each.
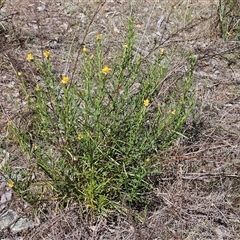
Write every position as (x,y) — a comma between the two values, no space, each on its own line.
(198,194)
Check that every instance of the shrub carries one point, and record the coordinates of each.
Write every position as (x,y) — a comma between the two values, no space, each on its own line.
(95,138)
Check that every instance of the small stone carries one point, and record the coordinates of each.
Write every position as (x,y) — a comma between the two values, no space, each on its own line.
(7,219)
(22,224)
(6,197)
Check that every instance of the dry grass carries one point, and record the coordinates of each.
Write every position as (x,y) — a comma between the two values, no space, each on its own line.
(198,195)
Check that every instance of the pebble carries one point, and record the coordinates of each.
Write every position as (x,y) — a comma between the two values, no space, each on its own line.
(10,219)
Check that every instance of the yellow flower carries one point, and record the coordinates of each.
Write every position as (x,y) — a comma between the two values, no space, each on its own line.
(174,112)
(30,57)
(125,45)
(9,122)
(19,74)
(98,37)
(37,88)
(162,52)
(92,56)
(85,49)
(65,80)
(80,136)
(146,102)
(46,54)
(11,184)
(148,160)
(106,70)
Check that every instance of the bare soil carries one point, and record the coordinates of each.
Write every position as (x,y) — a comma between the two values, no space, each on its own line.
(198,194)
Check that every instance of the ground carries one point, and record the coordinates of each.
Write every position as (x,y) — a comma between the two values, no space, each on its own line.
(198,194)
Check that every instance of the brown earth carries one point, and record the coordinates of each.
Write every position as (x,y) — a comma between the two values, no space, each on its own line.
(198,194)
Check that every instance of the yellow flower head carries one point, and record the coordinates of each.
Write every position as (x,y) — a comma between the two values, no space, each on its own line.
(65,80)
(146,102)
(106,70)
(85,49)
(148,160)
(37,88)
(19,74)
(92,56)
(174,112)
(11,184)
(9,122)
(30,57)
(162,52)
(125,45)
(46,54)
(80,136)
(98,37)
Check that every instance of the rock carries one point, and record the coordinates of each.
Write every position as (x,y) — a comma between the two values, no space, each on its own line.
(22,224)
(6,197)
(7,218)
(17,224)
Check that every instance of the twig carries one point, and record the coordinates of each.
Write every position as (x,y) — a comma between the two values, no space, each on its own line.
(100,5)
(220,212)
(201,176)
